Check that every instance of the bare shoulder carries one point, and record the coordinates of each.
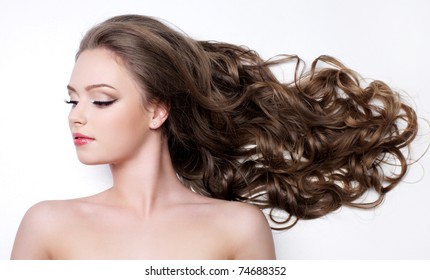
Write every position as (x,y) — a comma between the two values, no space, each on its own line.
(248,229)
(40,228)
(41,215)
(241,213)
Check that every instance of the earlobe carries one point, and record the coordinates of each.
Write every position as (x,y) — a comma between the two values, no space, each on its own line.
(154,124)
(159,116)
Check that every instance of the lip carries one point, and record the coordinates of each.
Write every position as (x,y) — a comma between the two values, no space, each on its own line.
(81,139)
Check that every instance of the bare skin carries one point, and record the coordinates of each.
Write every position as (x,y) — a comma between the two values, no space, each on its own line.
(89,229)
(147,213)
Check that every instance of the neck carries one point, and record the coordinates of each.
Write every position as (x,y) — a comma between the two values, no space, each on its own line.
(146,181)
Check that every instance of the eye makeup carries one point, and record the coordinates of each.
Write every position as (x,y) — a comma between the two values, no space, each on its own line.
(95,102)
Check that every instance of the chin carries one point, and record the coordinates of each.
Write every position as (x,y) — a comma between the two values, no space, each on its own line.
(92,161)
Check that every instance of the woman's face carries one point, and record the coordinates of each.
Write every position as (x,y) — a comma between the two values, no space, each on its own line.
(108,121)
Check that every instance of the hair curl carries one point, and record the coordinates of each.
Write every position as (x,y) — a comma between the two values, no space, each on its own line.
(235,132)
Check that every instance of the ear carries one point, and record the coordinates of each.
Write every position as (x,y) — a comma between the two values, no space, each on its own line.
(160,112)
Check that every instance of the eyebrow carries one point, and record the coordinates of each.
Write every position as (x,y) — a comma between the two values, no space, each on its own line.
(90,87)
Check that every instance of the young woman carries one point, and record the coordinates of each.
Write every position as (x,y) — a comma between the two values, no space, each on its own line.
(192,130)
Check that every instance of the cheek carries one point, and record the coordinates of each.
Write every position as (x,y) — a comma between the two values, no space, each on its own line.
(127,126)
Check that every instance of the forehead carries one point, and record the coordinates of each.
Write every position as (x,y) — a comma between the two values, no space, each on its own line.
(97,66)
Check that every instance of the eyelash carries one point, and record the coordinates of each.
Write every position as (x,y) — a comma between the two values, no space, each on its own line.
(97,103)
(72,102)
(103,103)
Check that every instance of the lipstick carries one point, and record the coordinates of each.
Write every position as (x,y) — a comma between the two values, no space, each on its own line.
(81,139)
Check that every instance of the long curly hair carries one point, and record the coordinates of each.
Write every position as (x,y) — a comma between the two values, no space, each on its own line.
(235,132)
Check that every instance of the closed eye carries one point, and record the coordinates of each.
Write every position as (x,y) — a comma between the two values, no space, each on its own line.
(103,103)
(73,102)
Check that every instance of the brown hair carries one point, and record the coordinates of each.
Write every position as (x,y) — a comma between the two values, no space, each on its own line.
(237,133)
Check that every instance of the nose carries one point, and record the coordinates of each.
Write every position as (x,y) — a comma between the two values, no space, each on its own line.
(77,115)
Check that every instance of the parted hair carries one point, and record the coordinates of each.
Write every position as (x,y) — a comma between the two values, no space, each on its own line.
(236,132)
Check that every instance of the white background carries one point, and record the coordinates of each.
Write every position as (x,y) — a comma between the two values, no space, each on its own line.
(387,40)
